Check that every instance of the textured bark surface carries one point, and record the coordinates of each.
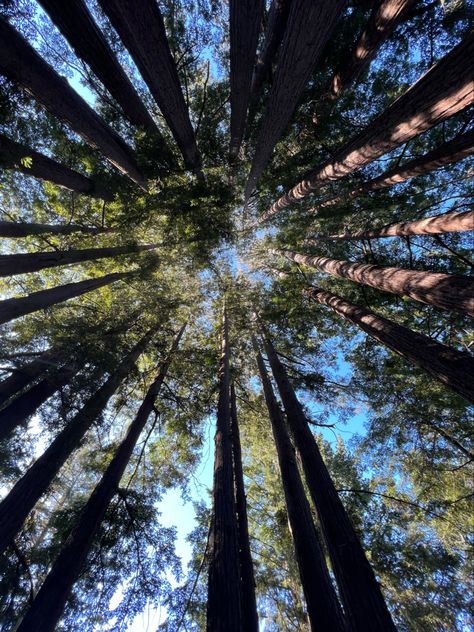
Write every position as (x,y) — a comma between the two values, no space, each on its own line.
(142,30)
(448,291)
(27,373)
(22,64)
(48,605)
(223,600)
(362,599)
(19,229)
(16,506)
(40,166)
(449,366)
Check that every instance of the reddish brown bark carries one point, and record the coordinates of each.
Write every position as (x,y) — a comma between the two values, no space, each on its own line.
(20,229)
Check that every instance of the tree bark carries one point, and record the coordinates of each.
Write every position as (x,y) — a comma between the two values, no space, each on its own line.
(245,21)
(40,166)
(16,506)
(247,578)
(324,611)
(142,30)
(12,308)
(449,366)
(224,612)
(22,64)
(440,93)
(447,291)
(27,373)
(309,27)
(25,229)
(48,605)
(362,599)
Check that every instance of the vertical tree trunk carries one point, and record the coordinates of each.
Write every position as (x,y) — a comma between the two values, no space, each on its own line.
(447,291)
(48,605)
(12,308)
(16,506)
(247,578)
(22,64)
(360,592)
(20,229)
(28,373)
(323,607)
(223,600)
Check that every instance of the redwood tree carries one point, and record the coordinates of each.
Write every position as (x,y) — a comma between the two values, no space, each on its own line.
(24,229)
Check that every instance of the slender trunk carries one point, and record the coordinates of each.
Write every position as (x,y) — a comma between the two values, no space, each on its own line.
(22,64)
(12,308)
(10,265)
(447,291)
(223,600)
(245,21)
(247,578)
(17,156)
(27,373)
(142,30)
(440,93)
(362,599)
(20,229)
(323,607)
(16,506)
(309,27)
(49,602)
(449,366)
(450,439)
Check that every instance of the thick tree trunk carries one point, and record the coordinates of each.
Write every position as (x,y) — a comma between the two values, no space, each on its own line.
(16,506)
(309,27)
(20,229)
(451,367)
(440,93)
(10,265)
(22,64)
(26,374)
(324,611)
(362,599)
(12,308)
(142,30)
(48,605)
(223,601)
(247,578)
(245,21)
(447,291)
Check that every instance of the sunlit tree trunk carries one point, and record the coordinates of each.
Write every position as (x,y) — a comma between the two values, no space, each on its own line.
(24,375)
(20,229)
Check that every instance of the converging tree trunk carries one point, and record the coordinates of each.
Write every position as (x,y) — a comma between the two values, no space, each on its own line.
(447,291)
(21,63)
(24,375)
(25,229)
(362,599)
(16,506)
(324,611)
(247,578)
(48,605)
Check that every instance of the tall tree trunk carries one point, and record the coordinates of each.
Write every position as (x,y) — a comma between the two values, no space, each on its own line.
(22,64)
(324,611)
(447,291)
(48,605)
(10,265)
(40,166)
(245,21)
(247,578)
(449,366)
(223,601)
(362,599)
(309,26)
(25,229)
(28,373)
(12,308)
(16,506)
(440,93)
(142,30)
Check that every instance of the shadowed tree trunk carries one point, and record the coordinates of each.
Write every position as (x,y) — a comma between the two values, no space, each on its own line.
(440,93)
(48,605)
(12,308)
(245,21)
(324,611)
(142,30)
(449,366)
(447,291)
(362,599)
(16,506)
(28,373)
(22,64)
(20,229)
(40,166)
(247,578)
